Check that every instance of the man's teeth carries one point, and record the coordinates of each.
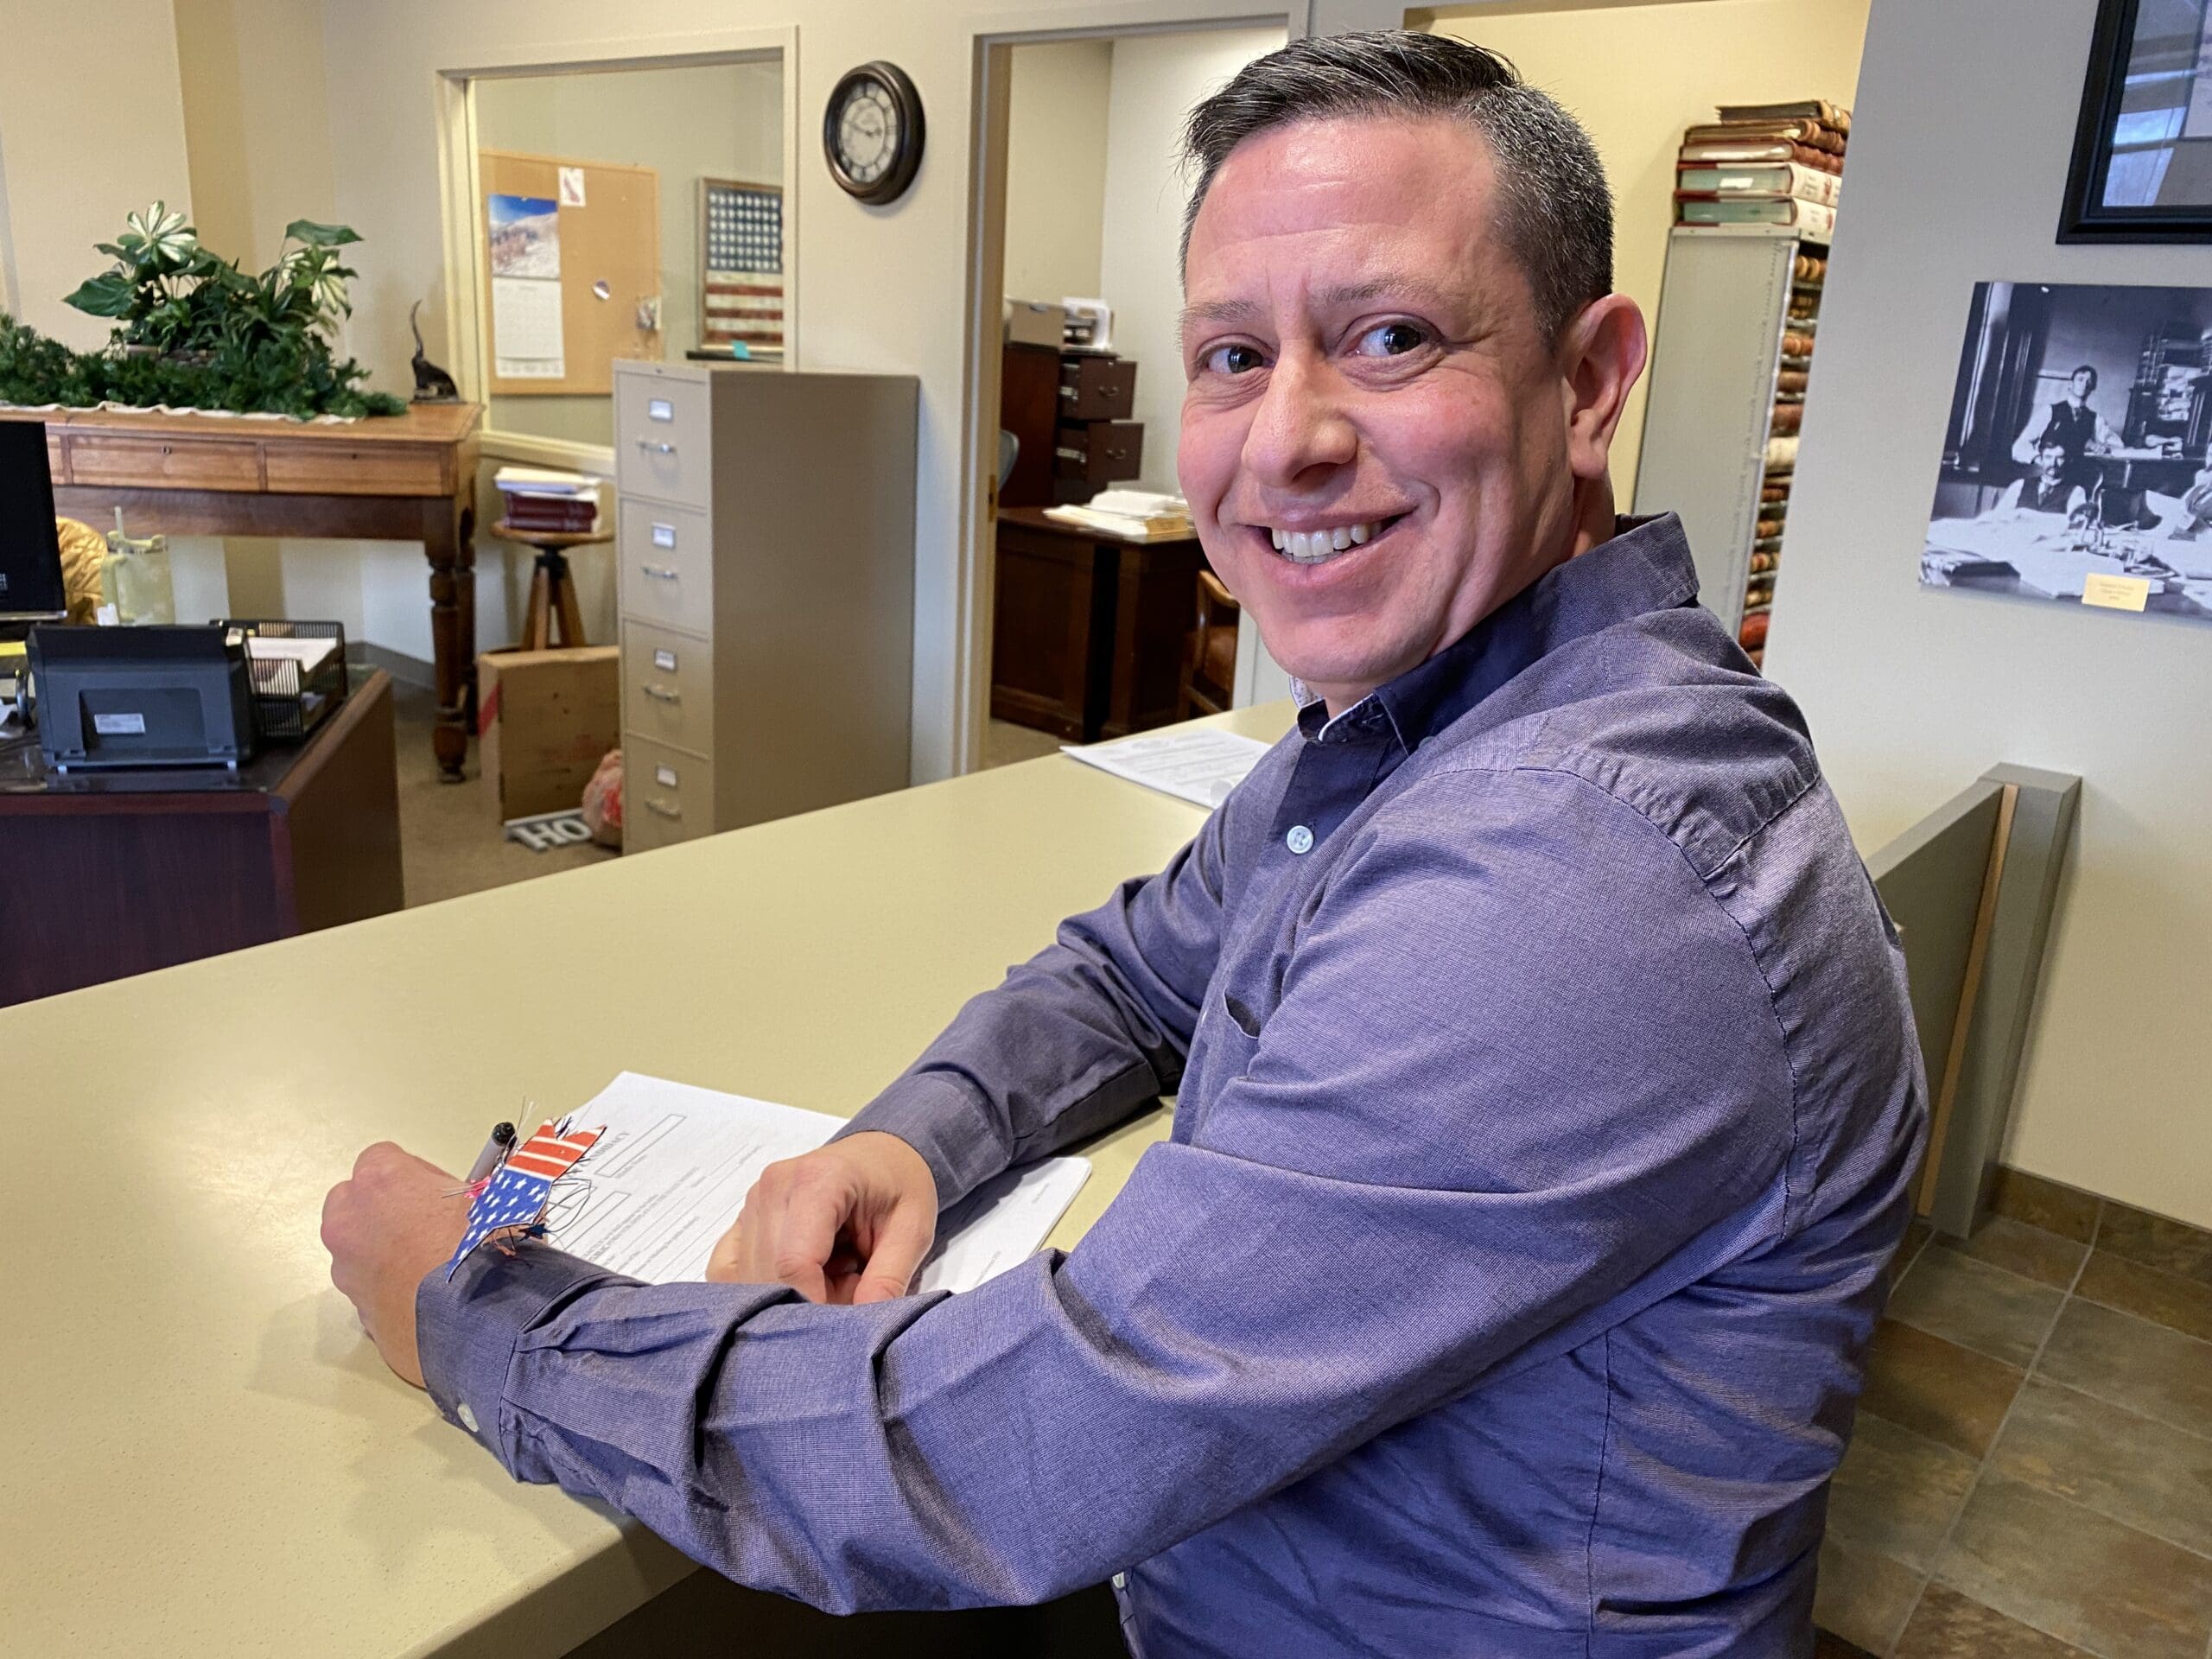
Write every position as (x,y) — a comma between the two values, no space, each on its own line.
(1312,546)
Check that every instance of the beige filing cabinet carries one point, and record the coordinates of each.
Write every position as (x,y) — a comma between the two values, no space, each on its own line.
(765,577)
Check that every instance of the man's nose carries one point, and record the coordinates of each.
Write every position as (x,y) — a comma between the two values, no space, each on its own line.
(1300,425)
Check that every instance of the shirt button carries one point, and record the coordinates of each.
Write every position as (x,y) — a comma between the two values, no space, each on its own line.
(467,1417)
(1300,840)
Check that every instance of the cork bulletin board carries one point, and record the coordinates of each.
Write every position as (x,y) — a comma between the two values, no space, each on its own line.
(570,265)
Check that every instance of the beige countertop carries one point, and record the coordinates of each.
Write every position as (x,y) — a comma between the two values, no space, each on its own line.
(200,1452)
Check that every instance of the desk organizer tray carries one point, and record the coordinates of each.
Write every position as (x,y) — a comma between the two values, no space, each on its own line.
(291,697)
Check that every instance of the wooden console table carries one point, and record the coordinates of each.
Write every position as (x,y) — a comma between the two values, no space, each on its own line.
(401,478)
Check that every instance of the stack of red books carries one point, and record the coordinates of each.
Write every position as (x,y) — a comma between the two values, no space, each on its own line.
(559,503)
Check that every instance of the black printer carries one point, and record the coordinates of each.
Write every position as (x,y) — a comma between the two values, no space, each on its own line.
(143,697)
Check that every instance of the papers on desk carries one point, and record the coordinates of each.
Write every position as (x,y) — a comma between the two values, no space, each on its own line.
(1200,767)
(308,653)
(668,1177)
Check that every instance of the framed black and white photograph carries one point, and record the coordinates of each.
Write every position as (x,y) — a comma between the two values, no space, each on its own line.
(2075,466)
(2142,165)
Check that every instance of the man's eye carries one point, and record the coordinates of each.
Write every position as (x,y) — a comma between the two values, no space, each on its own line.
(1230,360)
(1390,340)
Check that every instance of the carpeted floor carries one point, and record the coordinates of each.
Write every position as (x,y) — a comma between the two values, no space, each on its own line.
(1004,743)
(450,839)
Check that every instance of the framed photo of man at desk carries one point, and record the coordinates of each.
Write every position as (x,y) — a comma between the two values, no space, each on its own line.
(2142,168)
(2077,465)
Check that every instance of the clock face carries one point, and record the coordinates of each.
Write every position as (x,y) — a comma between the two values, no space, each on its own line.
(872,133)
(867,131)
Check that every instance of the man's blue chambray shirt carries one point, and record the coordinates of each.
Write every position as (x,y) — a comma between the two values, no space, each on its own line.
(1548,1096)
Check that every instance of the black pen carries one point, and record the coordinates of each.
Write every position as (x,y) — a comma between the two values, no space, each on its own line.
(496,1146)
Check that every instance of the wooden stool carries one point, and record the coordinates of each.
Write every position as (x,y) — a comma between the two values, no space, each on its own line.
(552,590)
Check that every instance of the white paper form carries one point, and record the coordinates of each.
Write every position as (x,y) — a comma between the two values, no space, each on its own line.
(1200,767)
(669,1176)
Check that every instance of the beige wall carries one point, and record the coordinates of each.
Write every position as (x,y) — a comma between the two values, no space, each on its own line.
(879,288)
(92,127)
(720,121)
(1056,168)
(1638,75)
(257,133)
(1912,693)
(1157,77)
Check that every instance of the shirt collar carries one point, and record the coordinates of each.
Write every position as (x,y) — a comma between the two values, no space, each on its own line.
(1645,566)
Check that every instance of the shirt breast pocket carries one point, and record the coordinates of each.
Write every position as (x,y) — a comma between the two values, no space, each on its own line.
(1241,1015)
(1236,1037)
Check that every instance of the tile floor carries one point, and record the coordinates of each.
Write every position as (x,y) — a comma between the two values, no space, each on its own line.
(2032,1472)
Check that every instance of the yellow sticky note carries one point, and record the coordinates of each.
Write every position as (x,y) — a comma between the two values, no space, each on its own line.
(2116,592)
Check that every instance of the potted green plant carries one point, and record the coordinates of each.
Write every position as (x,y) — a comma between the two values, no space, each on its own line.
(195,332)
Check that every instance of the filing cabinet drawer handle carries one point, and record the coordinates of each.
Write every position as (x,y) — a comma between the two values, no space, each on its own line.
(662,449)
(662,694)
(658,572)
(662,808)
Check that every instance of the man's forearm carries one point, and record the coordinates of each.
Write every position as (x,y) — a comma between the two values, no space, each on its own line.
(1087,1032)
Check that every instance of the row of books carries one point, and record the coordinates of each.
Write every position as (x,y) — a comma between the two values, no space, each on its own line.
(1764,164)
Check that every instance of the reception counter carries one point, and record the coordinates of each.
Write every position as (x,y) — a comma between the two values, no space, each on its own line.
(202,1454)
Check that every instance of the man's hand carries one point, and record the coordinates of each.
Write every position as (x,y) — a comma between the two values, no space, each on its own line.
(395,1220)
(850,1222)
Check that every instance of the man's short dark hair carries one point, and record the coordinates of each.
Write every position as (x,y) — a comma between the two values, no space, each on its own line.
(1555,210)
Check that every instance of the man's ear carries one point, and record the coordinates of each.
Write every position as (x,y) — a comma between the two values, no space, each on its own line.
(1601,353)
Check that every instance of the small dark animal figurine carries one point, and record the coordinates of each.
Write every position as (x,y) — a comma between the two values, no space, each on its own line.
(432,384)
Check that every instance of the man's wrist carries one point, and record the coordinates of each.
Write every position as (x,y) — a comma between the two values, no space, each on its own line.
(467,1330)
(943,1122)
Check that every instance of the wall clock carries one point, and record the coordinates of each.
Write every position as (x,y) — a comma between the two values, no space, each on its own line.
(872,133)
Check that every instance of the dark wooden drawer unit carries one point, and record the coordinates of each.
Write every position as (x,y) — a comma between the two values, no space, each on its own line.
(1052,664)
(1099,453)
(1087,642)
(1097,387)
(1029,407)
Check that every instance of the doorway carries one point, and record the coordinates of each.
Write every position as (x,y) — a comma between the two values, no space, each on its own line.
(1089,611)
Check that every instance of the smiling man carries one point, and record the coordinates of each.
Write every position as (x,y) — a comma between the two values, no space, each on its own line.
(1547,1091)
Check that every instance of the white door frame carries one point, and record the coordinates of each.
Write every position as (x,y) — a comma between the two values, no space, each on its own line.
(467,344)
(994,37)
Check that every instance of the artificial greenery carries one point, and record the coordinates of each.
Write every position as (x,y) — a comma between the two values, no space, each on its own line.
(195,332)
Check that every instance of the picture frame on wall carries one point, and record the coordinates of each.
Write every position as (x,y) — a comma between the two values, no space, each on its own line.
(2077,466)
(742,295)
(2142,168)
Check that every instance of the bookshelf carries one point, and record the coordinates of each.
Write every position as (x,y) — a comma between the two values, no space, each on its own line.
(1731,354)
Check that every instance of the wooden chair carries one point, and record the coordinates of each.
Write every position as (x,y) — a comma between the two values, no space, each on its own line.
(1209,652)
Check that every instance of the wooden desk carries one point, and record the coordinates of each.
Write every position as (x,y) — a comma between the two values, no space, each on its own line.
(202,1454)
(1088,630)
(401,478)
(112,873)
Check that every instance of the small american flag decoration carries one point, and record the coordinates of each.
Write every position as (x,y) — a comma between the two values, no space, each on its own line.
(514,1196)
(741,252)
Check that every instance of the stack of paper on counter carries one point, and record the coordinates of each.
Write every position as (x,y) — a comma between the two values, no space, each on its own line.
(667,1178)
(1135,515)
(1200,766)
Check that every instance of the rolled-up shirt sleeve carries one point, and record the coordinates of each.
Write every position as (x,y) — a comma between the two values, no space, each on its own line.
(1092,1028)
(1437,1159)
